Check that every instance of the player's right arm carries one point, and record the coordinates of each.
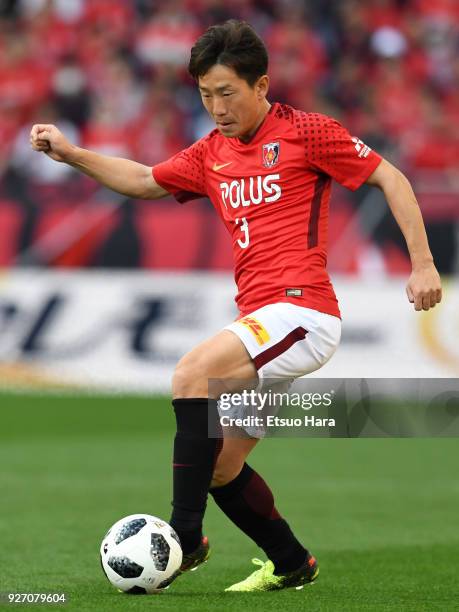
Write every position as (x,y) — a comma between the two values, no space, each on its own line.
(122,175)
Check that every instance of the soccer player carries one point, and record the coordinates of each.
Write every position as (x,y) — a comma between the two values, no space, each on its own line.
(267,169)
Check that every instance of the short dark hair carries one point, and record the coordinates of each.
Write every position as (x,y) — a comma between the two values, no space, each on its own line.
(234,44)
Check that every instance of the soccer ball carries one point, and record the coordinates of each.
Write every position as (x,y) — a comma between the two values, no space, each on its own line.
(141,554)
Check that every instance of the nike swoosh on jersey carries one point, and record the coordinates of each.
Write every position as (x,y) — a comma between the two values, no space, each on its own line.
(216,167)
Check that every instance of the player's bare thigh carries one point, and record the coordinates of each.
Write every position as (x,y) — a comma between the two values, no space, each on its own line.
(223,356)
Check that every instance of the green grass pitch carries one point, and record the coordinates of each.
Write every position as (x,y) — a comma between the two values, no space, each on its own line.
(381,515)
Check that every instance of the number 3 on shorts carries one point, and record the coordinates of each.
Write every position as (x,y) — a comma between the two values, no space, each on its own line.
(245,229)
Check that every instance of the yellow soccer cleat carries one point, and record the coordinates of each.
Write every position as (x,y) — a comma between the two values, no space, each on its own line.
(264,578)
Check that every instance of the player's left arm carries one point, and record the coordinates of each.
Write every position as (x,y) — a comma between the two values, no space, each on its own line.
(424,285)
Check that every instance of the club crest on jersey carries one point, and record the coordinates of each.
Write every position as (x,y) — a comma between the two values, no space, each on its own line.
(270,154)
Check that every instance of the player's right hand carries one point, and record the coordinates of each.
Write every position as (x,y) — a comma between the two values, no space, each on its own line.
(49,139)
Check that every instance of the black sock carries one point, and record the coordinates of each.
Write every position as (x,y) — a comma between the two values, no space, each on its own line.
(193,464)
(248,502)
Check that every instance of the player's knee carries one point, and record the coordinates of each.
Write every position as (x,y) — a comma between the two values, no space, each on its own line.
(188,380)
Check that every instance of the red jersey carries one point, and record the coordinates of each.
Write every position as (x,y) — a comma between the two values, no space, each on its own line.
(273,195)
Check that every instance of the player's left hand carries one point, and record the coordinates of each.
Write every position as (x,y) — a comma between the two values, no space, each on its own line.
(424,287)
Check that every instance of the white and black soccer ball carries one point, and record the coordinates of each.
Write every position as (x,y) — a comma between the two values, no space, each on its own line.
(140,554)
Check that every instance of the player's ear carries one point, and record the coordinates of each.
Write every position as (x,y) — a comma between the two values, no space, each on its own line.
(262,86)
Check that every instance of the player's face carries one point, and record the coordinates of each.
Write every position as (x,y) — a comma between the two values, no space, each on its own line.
(236,107)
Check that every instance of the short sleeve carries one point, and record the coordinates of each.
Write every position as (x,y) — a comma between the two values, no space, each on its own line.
(332,150)
(183,175)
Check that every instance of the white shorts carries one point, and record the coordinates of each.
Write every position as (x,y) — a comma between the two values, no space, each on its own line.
(287,341)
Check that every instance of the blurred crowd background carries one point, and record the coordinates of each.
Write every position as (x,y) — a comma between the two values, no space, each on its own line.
(112,75)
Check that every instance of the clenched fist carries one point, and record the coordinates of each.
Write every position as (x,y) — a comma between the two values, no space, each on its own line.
(50,140)
(424,287)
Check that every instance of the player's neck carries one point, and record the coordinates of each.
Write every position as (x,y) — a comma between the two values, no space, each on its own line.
(264,110)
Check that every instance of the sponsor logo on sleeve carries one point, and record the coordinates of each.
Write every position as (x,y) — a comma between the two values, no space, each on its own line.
(362,149)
